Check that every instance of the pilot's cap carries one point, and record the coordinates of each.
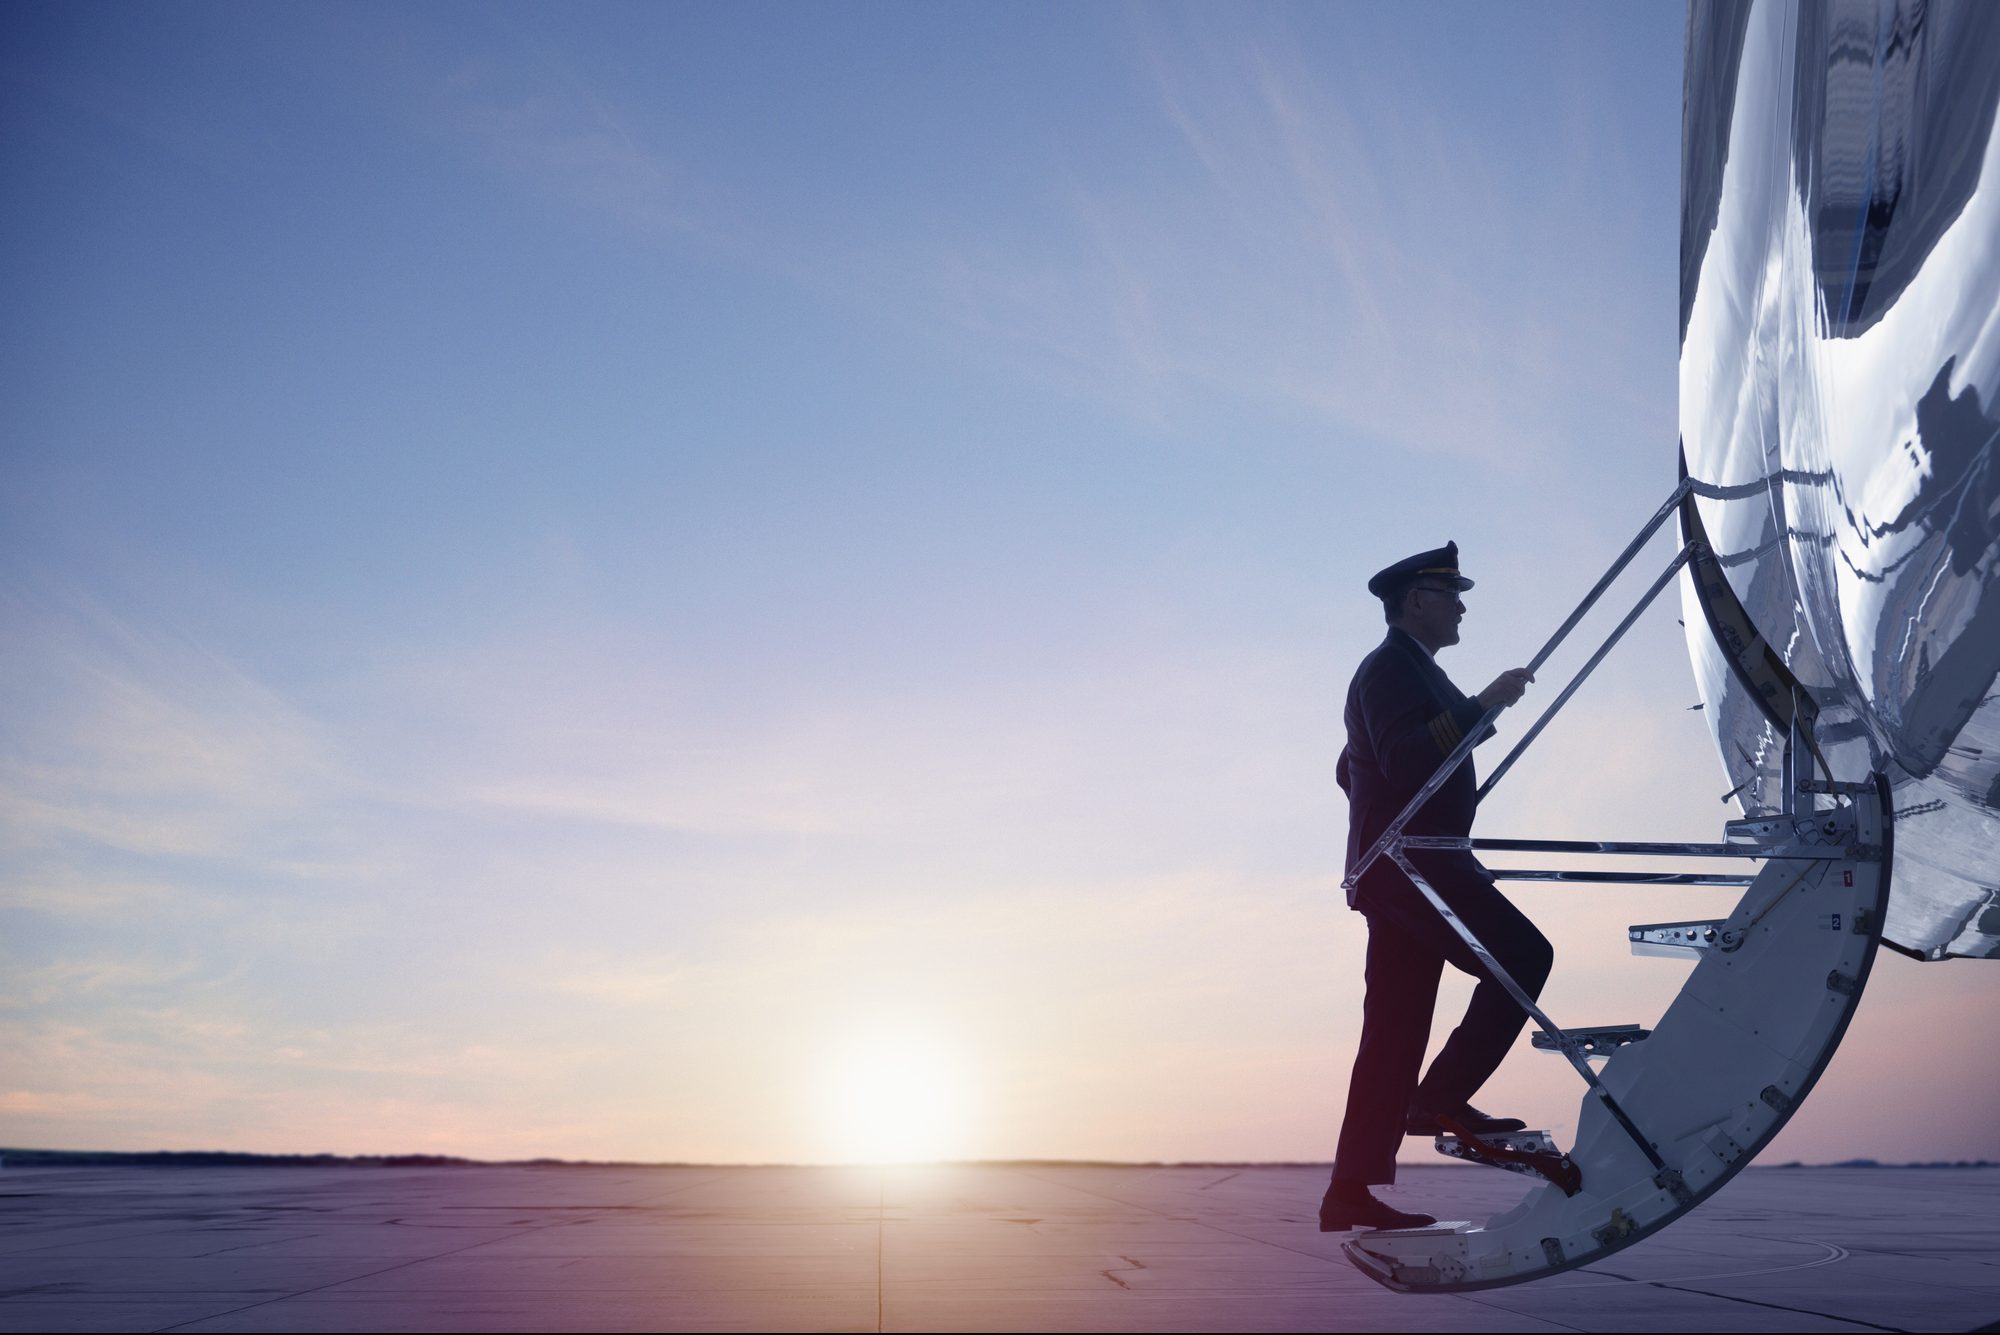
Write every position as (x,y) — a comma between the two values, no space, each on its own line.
(1439,563)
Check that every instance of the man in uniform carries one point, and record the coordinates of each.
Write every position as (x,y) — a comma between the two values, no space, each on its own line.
(1404,717)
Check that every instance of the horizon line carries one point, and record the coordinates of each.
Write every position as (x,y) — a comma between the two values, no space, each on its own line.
(52,1158)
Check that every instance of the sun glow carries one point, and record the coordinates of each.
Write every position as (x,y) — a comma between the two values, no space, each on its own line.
(896,1097)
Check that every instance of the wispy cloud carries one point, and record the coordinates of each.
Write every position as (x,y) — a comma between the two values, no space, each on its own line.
(133,737)
(1088,755)
(70,892)
(609,815)
(1042,991)
(1308,239)
(556,137)
(198,1076)
(177,990)
(93,976)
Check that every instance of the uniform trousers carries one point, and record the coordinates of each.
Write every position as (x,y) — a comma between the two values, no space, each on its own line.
(1409,944)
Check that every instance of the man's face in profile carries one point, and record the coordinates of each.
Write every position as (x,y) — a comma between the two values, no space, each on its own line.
(1431,612)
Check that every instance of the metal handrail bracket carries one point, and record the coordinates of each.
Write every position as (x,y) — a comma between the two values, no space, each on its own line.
(1623,848)
(1618,877)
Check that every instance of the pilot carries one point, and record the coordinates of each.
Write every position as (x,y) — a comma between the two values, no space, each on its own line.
(1404,717)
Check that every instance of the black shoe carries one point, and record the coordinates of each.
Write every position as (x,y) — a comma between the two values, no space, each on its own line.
(1473,1120)
(1339,1214)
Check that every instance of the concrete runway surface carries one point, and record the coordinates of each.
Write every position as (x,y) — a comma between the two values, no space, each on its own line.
(955,1247)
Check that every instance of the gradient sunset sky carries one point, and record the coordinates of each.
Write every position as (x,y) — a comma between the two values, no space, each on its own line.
(759,583)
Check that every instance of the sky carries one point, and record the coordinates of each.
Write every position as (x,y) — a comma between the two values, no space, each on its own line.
(749,583)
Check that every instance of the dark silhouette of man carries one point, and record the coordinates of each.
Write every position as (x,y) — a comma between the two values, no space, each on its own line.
(1404,717)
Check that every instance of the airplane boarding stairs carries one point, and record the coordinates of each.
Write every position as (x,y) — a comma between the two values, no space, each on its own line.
(1679,1108)
(1772,990)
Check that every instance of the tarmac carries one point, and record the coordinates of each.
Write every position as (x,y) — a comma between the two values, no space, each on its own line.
(946,1247)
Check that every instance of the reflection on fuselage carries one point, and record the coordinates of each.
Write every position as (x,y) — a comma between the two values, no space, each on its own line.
(1840,358)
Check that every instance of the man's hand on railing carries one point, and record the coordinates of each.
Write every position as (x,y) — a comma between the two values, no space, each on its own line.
(1506,688)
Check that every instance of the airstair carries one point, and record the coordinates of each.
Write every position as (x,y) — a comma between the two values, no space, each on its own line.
(1677,1109)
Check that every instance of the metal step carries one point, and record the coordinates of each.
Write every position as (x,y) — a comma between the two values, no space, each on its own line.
(1599,1042)
(1532,1153)
(1682,940)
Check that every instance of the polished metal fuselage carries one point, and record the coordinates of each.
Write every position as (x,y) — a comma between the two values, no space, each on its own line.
(1840,357)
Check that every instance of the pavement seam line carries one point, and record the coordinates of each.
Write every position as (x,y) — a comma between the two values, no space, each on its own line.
(1834,1253)
(400,1265)
(404,1265)
(1779,1307)
(1199,1223)
(1489,1304)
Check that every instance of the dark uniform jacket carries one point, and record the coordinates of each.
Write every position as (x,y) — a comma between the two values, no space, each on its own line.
(1403,717)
